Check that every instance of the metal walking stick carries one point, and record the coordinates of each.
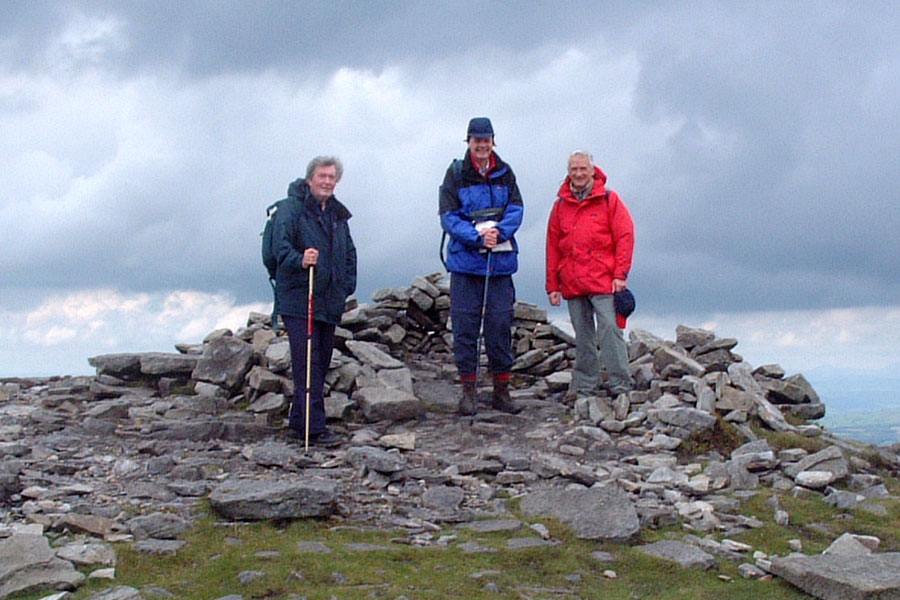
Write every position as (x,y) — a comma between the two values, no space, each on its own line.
(487,278)
(309,333)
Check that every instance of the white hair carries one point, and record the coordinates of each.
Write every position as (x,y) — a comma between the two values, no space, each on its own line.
(581,154)
(325,161)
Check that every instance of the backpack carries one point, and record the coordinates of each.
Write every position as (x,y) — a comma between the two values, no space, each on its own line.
(456,168)
(270,261)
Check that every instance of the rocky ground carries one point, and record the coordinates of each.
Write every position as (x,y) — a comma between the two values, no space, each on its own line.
(129,454)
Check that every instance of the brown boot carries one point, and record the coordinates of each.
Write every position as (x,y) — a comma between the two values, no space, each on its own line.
(467,399)
(500,400)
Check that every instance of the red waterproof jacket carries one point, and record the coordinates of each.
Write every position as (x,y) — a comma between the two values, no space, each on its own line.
(589,243)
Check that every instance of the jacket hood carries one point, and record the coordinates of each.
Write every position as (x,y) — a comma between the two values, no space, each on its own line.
(565,190)
(299,189)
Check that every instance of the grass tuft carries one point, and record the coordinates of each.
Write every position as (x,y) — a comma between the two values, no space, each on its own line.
(723,438)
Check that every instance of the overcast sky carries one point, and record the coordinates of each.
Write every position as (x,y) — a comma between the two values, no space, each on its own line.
(756,145)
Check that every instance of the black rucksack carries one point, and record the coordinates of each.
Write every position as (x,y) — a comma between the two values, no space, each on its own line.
(456,167)
(268,256)
(268,253)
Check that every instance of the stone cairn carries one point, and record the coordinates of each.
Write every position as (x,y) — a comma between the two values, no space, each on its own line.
(128,454)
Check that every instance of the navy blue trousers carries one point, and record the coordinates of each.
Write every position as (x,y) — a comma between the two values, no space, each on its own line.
(466,296)
(322,345)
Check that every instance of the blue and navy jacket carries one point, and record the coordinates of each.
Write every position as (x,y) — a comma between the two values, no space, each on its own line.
(473,193)
(300,223)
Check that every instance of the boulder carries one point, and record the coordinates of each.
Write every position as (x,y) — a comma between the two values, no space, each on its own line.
(122,366)
(370,354)
(261,500)
(376,459)
(841,577)
(666,356)
(28,564)
(386,404)
(158,525)
(684,554)
(689,337)
(121,592)
(597,513)
(687,418)
(278,356)
(225,362)
(88,554)
(160,364)
(830,459)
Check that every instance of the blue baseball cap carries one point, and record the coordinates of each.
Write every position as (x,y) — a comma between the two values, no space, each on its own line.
(624,302)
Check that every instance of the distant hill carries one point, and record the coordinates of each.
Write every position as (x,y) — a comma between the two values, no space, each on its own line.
(861,404)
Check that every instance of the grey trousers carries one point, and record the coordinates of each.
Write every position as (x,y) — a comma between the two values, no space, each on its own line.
(588,336)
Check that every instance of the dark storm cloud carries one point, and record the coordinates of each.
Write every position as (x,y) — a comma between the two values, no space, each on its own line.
(208,37)
(775,187)
(780,180)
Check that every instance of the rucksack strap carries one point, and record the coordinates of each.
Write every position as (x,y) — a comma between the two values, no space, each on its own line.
(456,170)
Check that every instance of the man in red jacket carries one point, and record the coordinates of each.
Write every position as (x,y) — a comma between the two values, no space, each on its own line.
(590,243)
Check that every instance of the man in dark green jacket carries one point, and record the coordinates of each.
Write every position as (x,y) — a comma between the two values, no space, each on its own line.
(311,230)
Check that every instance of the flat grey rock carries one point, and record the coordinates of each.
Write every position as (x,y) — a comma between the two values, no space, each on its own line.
(376,459)
(387,404)
(255,500)
(122,592)
(88,554)
(494,525)
(27,563)
(830,459)
(597,513)
(684,554)
(154,546)
(527,543)
(476,548)
(369,354)
(313,547)
(836,577)
(225,362)
(168,363)
(442,498)
(158,525)
(365,547)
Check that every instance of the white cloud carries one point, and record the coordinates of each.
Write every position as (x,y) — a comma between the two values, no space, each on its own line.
(58,336)
(86,40)
(801,340)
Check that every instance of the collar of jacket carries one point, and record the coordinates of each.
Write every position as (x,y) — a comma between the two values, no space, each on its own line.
(340,212)
(598,193)
(299,189)
(498,167)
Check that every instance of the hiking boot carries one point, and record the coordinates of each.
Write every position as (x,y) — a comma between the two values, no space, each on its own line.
(326,439)
(500,399)
(568,398)
(467,399)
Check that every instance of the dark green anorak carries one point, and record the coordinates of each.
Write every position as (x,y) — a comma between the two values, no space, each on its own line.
(300,223)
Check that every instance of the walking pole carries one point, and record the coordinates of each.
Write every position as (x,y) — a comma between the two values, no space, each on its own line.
(487,278)
(309,333)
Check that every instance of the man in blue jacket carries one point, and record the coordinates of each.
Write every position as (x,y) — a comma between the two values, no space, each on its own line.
(311,229)
(481,210)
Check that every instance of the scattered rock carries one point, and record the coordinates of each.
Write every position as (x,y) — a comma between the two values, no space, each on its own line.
(599,513)
(684,554)
(842,577)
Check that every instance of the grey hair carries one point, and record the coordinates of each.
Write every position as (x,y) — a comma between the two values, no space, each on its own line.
(581,154)
(325,161)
